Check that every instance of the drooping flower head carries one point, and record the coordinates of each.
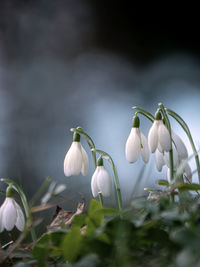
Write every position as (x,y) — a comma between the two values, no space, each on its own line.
(10,213)
(76,159)
(101,182)
(159,137)
(136,143)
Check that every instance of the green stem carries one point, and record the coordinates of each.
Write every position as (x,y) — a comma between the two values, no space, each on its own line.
(145,113)
(187,131)
(171,163)
(101,199)
(118,191)
(25,204)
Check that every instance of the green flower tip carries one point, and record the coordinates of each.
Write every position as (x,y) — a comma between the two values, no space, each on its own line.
(76,137)
(158,115)
(100,161)
(136,122)
(9,191)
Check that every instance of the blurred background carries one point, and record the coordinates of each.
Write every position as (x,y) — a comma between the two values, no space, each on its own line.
(69,63)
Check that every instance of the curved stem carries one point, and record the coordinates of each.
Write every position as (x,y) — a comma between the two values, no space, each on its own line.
(144,112)
(187,131)
(118,191)
(25,204)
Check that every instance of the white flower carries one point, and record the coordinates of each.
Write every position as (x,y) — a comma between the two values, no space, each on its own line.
(160,162)
(179,151)
(136,143)
(159,137)
(101,182)
(54,189)
(11,215)
(76,160)
(180,146)
(175,157)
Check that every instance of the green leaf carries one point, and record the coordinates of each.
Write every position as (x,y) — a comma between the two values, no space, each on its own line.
(106,211)
(92,212)
(79,220)
(193,187)
(41,250)
(163,182)
(72,244)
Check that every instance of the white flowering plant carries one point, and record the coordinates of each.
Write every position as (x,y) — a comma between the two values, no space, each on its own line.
(161,228)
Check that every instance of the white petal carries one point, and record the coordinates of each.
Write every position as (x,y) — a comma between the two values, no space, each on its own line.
(46,198)
(188,172)
(85,162)
(9,215)
(94,185)
(20,223)
(180,146)
(145,148)
(160,148)
(153,136)
(52,187)
(104,182)
(73,160)
(164,137)
(175,157)
(1,223)
(59,188)
(1,215)
(159,160)
(133,146)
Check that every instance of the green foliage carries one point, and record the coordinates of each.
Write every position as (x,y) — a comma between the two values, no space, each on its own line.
(147,233)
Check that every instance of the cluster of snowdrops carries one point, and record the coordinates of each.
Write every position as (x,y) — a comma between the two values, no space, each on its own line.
(168,147)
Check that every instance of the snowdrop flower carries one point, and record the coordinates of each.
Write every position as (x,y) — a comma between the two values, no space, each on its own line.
(101,182)
(53,190)
(180,146)
(159,136)
(160,161)
(76,159)
(176,160)
(179,151)
(10,213)
(136,143)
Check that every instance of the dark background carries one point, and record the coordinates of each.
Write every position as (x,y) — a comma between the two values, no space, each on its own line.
(69,63)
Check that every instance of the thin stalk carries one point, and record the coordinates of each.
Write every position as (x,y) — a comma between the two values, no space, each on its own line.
(25,205)
(101,199)
(171,163)
(143,111)
(118,191)
(187,131)
(144,114)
